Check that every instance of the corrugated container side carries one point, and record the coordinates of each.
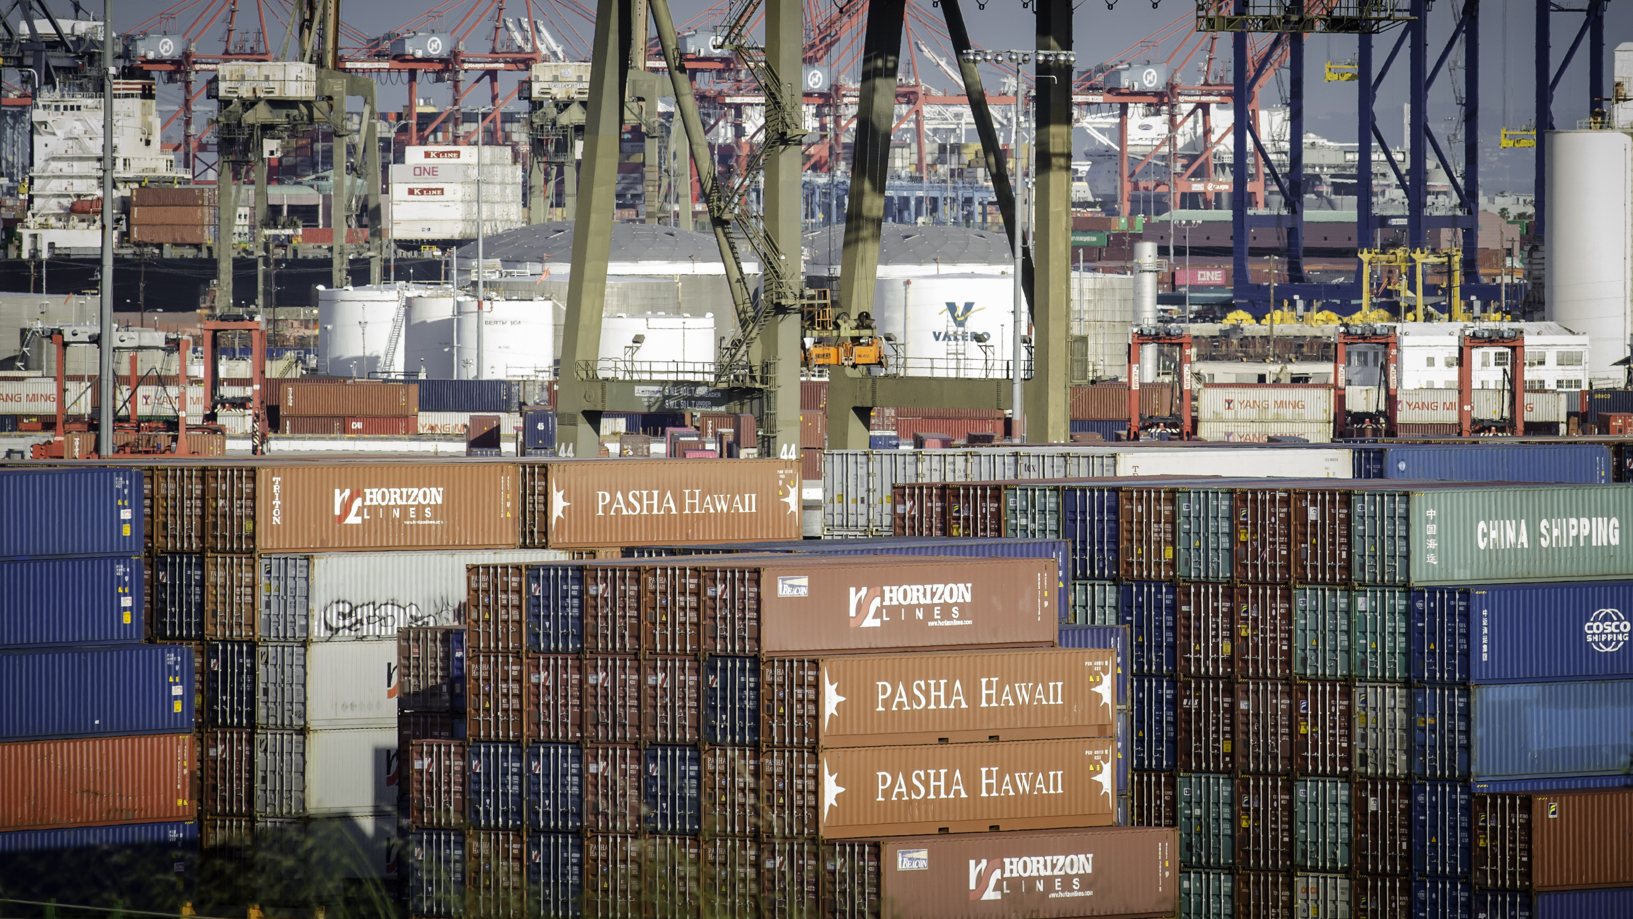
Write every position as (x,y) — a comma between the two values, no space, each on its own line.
(495,691)
(612,699)
(1582,840)
(90,781)
(1153,799)
(1582,904)
(612,610)
(555,787)
(671,703)
(436,874)
(554,697)
(758,500)
(1322,825)
(1092,603)
(1441,830)
(555,873)
(176,510)
(1440,741)
(671,790)
(850,880)
(177,835)
(1440,635)
(353,773)
(1502,840)
(555,608)
(1148,608)
(1380,648)
(1382,827)
(356,684)
(732,701)
(790,702)
(1207,818)
(1441,898)
(1146,531)
(1324,728)
(1264,733)
(1580,519)
(463,506)
(1264,631)
(232,594)
(1153,705)
(286,597)
(280,679)
(790,792)
(671,600)
(1380,538)
(1586,636)
(1206,719)
(1114,637)
(230,684)
(1587,464)
(1207,534)
(613,781)
(1207,895)
(1383,731)
(1585,731)
(176,601)
(671,877)
(1381,898)
(227,773)
(1321,632)
(612,876)
(1206,631)
(229,509)
(730,792)
(1264,822)
(436,783)
(369,596)
(132,689)
(1089,523)
(731,878)
(790,877)
(496,875)
(71,512)
(1264,535)
(280,774)
(496,608)
(350,398)
(1263,894)
(494,776)
(72,601)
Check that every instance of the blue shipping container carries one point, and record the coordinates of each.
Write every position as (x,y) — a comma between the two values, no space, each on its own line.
(1440,732)
(1526,633)
(83,692)
(731,712)
(65,601)
(182,835)
(1114,637)
(672,790)
(884,441)
(538,429)
(493,774)
(1611,903)
(555,868)
(1441,899)
(91,511)
(1575,463)
(1125,731)
(1441,834)
(1147,608)
(555,608)
(1089,523)
(555,787)
(1156,723)
(1108,430)
(491,396)
(1556,783)
(1616,401)
(1536,730)
(436,873)
(229,684)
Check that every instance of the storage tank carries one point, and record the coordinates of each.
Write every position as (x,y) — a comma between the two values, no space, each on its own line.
(354,327)
(938,321)
(429,337)
(657,346)
(1589,238)
(517,339)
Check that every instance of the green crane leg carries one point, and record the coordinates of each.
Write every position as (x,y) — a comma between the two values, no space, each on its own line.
(1046,398)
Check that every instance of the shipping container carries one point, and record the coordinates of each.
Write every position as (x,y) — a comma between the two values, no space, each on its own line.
(1383,731)
(729,792)
(1206,821)
(495,696)
(1146,533)
(430,669)
(1207,895)
(1264,894)
(1153,799)
(617,503)
(730,878)
(1585,731)
(1235,462)
(1091,603)
(613,783)
(612,609)
(1379,645)
(436,783)
(1493,634)
(280,680)
(1382,820)
(91,781)
(231,598)
(791,788)
(612,877)
(63,692)
(555,873)
(969,787)
(230,509)
(671,699)
(385,506)
(353,772)
(1322,825)
(1553,841)
(496,875)
(230,685)
(1441,834)
(553,697)
(1149,609)
(359,398)
(555,608)
(1264,823)
(496,608)
(1440,741)
(971,696)
(1518,533)
(613,686)
(554,789)
(850,883)
(71,512)
(671,790)
(435,885)
(280,773)
(1380,538)
(1153,703)
(1265,730)
(1322,622)
(352,685)
(1325,724)
(1122,871)
(731,701)
(1111,637)
(226,766)
(1381,897)
(1441,898)
(62,601)
(1577,463)
(501,396)
(791,873)
(1207,718)
(1264,631)
(494,777)
(176,597)
(1275,403)
(671,877)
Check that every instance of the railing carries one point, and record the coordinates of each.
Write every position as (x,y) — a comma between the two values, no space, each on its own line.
(610,368)
(972,367)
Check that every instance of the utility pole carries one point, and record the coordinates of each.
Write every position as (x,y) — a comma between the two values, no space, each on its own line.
(104,384)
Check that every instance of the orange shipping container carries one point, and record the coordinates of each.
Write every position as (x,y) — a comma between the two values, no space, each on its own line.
(96,781)
(323,508)
(878,700)
(379,400)
(619,502)
(968,788)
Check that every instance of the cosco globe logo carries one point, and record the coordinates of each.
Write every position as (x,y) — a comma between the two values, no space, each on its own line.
(1607,630)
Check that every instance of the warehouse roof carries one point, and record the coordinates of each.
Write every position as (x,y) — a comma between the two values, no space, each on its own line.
(631,242)
(907,244)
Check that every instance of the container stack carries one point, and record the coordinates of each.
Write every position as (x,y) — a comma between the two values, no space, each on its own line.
(702,734)
(96,744)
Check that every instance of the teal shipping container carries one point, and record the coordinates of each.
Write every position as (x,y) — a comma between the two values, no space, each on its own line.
(1520,533)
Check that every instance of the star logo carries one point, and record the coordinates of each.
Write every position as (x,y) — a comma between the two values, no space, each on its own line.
(792,497)
(558,504)
(831,790)
(1104,691)
(1105,777)
(830,699)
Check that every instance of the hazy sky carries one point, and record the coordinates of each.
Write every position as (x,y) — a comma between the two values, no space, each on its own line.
(1507,27)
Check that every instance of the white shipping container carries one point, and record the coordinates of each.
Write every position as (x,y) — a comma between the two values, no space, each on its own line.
(351,684)
(465,210)
(352,772)
(1238,462)
(1258,432)
(346,847)
(495,156)
(38,396)
(266,80)
(161,402)
(1427,406)
(1308,403)
(448,229)
(362,596)
(457,423)
(1540,407)
(493,193)
(432,173)
(1364,399)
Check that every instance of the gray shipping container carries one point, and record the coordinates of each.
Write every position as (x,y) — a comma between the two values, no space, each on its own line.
(1324,895)
(1383,731)
(1094,603)
(1322,820)
(1207,814)
(1206,525)
(280,676)
(1379,647)
(1380,537)
(1321,633)
(285,597)
(1207,895)
(280,774)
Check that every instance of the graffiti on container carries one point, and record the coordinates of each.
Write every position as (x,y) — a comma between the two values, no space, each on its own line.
(343,617)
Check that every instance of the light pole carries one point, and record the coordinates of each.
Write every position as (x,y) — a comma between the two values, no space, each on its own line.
(1017,333)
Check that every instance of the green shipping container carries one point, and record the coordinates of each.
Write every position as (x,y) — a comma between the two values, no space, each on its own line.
(1380,537)
(1093,239)
(1207,837)
(1515,533)
(1206,534)
(1382,742)
(1321,824)
(1206,895)
(1321,633)
(1379,648)
(1032,511)
(1094,603)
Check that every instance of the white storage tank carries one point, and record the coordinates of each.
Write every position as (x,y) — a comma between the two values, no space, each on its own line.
(354,327)
(1589,238)
(517,339)
(657,346)
(938,321)
(428,339)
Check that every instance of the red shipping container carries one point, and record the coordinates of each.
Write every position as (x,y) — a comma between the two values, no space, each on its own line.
(554,698)
(790,701)
(350,398)
(227,773)
(1147,531)
(1381,898)
(496,608)
(612,699)
(1263,894)
(96,781)
(919,509)
(1616,422)
(791,873)
(496,874)
(671,700)
(1325,726)
(813,395)
(1321,537)
(974,511)
(1264,631)
(429,664)
(1263,735)
(1264,535)
(612,609)
(1109,401)
(1202,277)
(612,789)
(494,696)
(810,465)
(1206,722)
(966,414)
(957,429)
(412,726)
(672,609)
(790,791)
(1264,822)
(1205,630)
(1559,841)
(1382,819)
(436,784)
(813,430)
(1152,799)
(731,791)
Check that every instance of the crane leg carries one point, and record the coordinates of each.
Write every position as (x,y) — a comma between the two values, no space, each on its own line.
(1049,392)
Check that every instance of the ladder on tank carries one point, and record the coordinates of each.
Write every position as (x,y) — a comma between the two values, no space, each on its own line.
(392,340)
